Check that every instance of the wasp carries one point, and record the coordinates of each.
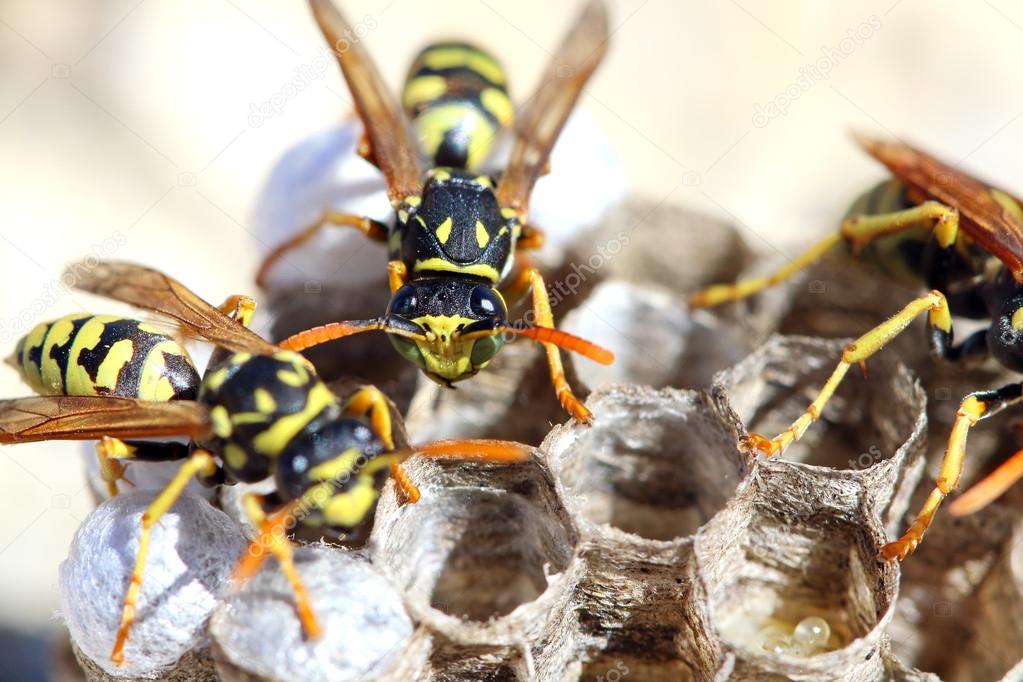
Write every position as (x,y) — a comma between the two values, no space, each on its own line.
(259,411)
(452,245)
(963,240)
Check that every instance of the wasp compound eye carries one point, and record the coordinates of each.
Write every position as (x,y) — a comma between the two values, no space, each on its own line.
(407,349)
(404,302)
(485,349)
(485,302)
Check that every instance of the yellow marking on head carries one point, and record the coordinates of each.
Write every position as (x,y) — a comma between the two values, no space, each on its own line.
(247,418)
(499,105)
(509,213)
(277,436)
(440,265)
(350,507)
(444,231)
(234,456)
(239,358)
(291,378)
(221,421)
(1017,320)
(1010,205)
(215,379)
(423,89)
(439,58)
(413,200)
(444,354)
(402,215)
(482,236)
(342,466)
(265,402)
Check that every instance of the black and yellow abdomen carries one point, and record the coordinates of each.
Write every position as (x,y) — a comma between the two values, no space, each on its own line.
(457,99)
(86,355)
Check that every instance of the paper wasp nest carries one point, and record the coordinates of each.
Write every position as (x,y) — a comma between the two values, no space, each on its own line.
(646,546)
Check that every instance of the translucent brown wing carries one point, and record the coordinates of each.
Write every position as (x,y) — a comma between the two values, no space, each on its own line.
(995,228)
(24,420)
(392,148)
(545,113)
(153,290)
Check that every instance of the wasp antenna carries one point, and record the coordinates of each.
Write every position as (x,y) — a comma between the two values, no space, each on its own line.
(485,450)
(329,332)
(567,341)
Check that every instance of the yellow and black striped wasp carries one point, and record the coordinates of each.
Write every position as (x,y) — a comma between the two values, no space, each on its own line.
(259,411)
(455,234)
(964,241)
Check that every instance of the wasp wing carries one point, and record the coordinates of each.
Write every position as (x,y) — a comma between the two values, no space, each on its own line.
(24,420)
(997,228)
(547,110)
(151,289)
(391,147)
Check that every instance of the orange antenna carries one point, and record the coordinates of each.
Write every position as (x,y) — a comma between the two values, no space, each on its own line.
(990,488)
(569,342)
(484,450)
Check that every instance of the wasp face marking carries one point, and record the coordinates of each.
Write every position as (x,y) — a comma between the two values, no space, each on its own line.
(440,311)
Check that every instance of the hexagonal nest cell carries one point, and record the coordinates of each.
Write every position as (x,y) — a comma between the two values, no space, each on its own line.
(648,545)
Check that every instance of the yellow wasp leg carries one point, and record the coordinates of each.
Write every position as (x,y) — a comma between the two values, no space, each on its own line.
(371,228)
(544,317)
(240,308)
(397,275)
(857,352)
(109,452)
(200,462)
(369,401)
(722,293)
(970,411)
(863,229)
(273,539)
(858,231)
(990,488)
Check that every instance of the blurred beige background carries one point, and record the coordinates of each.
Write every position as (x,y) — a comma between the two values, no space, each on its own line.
(130,121)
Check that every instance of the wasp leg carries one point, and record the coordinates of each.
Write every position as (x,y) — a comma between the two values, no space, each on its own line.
(531,238)
(240,308)
(990,488)
(110,452)
(544,317)
(200,462)
(863,229)
(373,229)
(858,231)
(369,401)
(273,539)
(397,275)
(857,352)
(974,407)
(722,293)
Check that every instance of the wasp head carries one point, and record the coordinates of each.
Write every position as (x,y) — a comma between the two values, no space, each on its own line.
(450,327)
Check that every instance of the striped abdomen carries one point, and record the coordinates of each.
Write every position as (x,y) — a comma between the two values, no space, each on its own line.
(457,98)
(85,355)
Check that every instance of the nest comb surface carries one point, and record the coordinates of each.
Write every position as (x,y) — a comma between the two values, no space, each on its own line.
(647,546)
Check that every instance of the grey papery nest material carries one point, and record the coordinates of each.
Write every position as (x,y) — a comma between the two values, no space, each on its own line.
(644,547)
